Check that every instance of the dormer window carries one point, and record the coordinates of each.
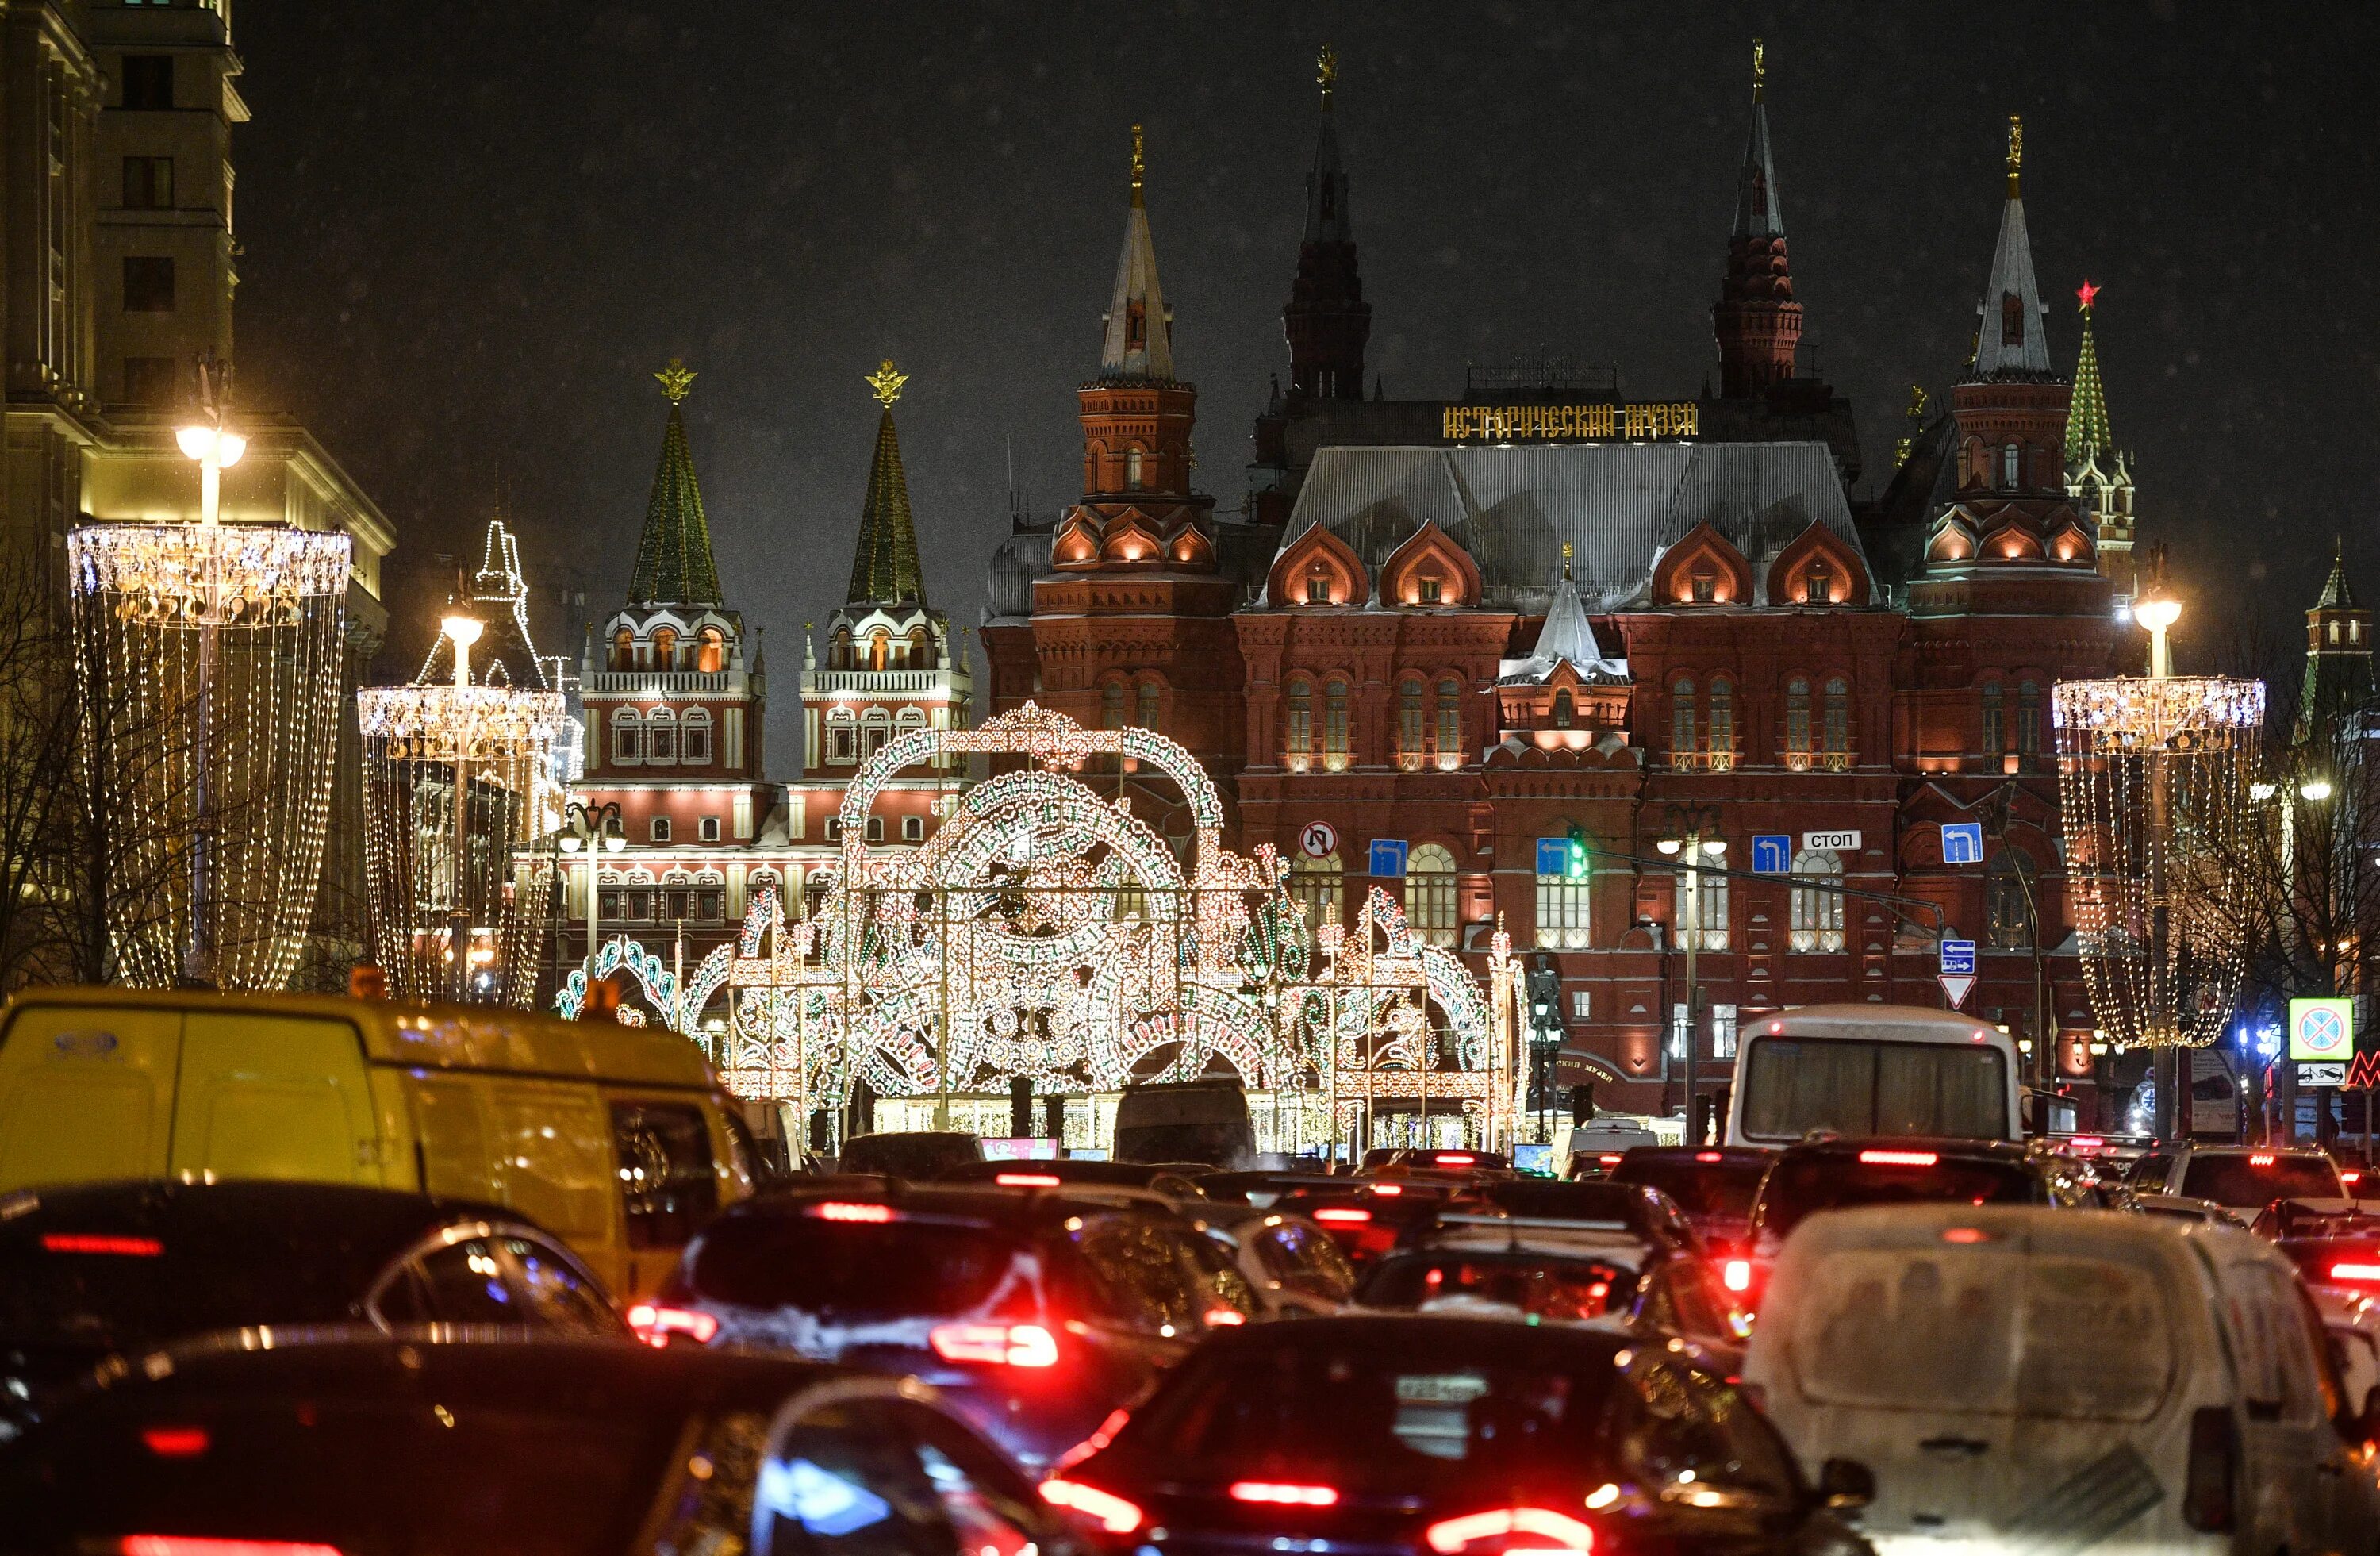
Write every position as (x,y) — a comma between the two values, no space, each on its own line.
(1135,327)
(1705,585)
(1317,590)
(1565,711)
(1429,595)
(2011,319)
(1818,583)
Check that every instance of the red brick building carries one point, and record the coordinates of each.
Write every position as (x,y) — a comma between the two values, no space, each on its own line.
(1482,628)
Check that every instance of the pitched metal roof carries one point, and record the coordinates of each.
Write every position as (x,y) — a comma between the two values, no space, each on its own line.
(884,568)
(674,560)
(1618,505)
(2012,338)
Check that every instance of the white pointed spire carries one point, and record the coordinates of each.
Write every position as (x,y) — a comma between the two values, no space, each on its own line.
(1140,331)
(1567,634)
(2010,339)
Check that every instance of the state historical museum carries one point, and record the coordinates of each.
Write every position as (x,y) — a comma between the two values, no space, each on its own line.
(1527,637)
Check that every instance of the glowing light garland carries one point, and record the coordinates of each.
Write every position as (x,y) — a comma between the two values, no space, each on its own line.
(424,878)
(2152,779)
(210,657)
(1047,933)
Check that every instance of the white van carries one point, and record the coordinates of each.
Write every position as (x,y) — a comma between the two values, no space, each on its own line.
(1862,1071)
(2023,1378)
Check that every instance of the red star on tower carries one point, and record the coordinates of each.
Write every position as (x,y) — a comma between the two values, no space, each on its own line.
(2088,293)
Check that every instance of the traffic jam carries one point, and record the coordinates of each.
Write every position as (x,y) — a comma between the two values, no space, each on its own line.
(296,1276)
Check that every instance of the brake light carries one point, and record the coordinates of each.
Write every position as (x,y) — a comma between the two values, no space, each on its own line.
(2206,1499)
(836,1209)
(1455,1159)
(1550,1533)
(1388,1191)
(2086,1142)
(2351,1178)
(1965,1234)
(1281,1495)
(999,1345)
(1899,1157)
(1027,1180)
(101,1242)
(2355,1272)
(201,1545)
(1225,1318)
(174,1442)
(1610,1158)
(1710,1156)
(1106,1509)
(1341,1215)
(654,1324)
(1736,1275)
(2262,1159)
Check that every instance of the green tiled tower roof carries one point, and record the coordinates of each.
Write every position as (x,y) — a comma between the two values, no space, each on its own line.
(885,570)
(2086,420)
(674,562)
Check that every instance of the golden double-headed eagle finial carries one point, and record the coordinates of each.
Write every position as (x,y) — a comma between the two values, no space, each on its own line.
(1326,71)
(886,381)
(676,381)
(1759,68)
(2016,152)
(1139,166)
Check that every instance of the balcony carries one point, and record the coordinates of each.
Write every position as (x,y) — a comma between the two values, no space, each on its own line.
(874,680)
(722,681)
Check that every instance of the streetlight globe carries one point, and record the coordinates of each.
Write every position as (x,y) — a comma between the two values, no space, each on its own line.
(1668,845)
(2262,791)
(2157,612)
(570,843)
(464,630)
(195,441)
(2314,789)
(614,843)
(229,447)
(1714,846)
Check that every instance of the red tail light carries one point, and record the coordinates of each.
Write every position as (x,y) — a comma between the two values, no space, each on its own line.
(1736,1275)
(1455,1159)
(1388,1191)
(836,1209)
(1106,1509)
(1028,1180)
(1539,1531)
(2355,1273)
(1608,1159)
(1340,1215)
(1710,1156)
(2350,1177)
(655,1325)
(1225,1318)
(997,1344)
(101,1242)
(201,1545)
(1965,1234)
(174,1442)
(2207,1499)
(1283,1495)
(1899,1157)
(2262,1159)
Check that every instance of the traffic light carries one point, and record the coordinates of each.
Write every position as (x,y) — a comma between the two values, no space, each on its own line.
(1577,869)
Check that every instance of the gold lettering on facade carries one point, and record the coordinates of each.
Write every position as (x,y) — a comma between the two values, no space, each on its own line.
(1660,419)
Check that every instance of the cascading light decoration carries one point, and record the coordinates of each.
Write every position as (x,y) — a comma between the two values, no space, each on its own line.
(457,780)
(209,659)
(2152,776)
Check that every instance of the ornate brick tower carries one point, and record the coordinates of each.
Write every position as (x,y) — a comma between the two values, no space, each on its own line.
(1327,319)
(2338,657)
(2099,476)
(1755,319)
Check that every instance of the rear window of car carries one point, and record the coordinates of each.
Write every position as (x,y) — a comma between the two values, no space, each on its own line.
(1982,1330)
(1406,1418)
(1534,1285)
(2240,1181)
(908,1268)
(1700,1188)
(1798,1186)
(64,1285)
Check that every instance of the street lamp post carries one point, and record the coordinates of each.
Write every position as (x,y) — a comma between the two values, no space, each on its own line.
(215,450)
(596,830)
(1694,834)
(464,631)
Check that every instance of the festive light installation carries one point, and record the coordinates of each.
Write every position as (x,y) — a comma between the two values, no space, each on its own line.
(2152,778)
(208,656)
(1049,934)
(456,779)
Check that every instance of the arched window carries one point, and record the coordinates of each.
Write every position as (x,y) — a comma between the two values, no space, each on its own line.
(921,648)
(1797,723)
(1132,469)
(1565,711)
(1429,894)
(2334,632)
(880,650)
(1450,725)
(1334,726)
(1705,583)
(694,736)
(627,736)
(2028,718)
(2008,898)
(1149,705)
(1708,928)
(839,656)
(1994,720)
(1318,587)
(910,720)
(1562,917)
(1818,583)
(624,650)
(1298,740)
(841,736)
(1112,705)
(1722,722)
(664,647)
(660,736)
(2009,456)
(1681,723)
(1838,745)
(1818,915)
(875,730)
(1411,729)
(712,658)
(1315,883)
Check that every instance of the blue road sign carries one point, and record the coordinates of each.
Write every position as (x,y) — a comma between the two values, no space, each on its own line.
(1553,856)
(1389,858)
(1772,853)
(1958,956)
(1962,843)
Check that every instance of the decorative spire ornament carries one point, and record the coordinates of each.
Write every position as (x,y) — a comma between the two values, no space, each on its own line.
(1139,166)
(1759,69)
(886,381)
(1326,71)
(2015,154)
(676,381)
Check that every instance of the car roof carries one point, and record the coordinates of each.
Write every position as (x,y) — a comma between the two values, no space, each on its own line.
(1414,1333)
(985,1205)
(169,1209)
(1704,1156)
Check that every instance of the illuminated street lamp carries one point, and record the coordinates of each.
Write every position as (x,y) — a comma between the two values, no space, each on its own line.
(1692,834)
(594,830)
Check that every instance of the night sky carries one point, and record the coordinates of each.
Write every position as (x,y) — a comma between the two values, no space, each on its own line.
(472,233)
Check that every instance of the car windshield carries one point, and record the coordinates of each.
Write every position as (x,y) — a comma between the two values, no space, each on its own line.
(1700,1188)
(1621,1203)
(921,1156)
(2260,1177)
(1538,1285)
(1403,1416)
(903,1267)
(1801,1186)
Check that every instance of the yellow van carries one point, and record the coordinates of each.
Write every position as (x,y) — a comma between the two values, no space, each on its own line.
(616,1138)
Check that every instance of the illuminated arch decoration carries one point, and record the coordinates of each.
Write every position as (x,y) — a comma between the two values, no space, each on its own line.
(678,1002)
(1049,934)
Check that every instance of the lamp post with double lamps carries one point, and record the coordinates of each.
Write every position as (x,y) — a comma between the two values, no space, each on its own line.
(1691,839)
(594,830)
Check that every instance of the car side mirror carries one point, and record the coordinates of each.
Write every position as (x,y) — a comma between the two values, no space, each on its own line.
(1845,1484)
